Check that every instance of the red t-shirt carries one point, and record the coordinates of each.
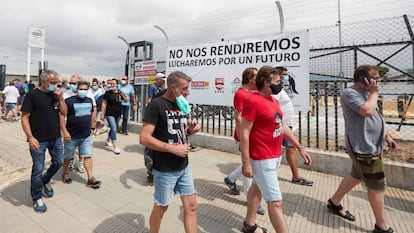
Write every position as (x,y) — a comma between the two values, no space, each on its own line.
(238,102)
(265,141)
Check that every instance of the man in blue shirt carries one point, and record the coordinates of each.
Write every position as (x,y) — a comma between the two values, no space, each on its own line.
(129,92)
(156,87)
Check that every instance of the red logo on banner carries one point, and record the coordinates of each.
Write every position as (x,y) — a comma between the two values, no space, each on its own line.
(219,83)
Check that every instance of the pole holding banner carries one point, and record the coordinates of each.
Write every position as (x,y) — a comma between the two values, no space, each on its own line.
(281,16)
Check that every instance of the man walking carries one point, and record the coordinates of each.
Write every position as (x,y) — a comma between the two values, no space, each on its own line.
(165,131)
(364,138)
(40,122)
(129,92)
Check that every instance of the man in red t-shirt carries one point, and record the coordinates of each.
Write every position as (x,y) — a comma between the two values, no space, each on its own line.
(261,134)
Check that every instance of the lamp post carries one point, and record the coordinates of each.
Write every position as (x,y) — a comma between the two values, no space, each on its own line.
(163,32)
(128,60)
(340,38)
(282,18)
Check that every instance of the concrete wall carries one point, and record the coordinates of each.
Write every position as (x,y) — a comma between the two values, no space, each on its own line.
(398,174)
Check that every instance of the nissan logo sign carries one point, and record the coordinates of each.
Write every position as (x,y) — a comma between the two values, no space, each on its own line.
(37,33)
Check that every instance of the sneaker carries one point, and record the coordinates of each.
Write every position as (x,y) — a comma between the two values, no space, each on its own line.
(48,190)
(260,210)
(93,183)
(39,206)
(71,165)
(302,181)
(117,151)
(66,178)
(108,143)
(125,133)
(232,186)
(193,148)
(80,168)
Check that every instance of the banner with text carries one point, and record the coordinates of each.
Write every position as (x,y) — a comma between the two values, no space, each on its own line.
(216,68)
(143,71)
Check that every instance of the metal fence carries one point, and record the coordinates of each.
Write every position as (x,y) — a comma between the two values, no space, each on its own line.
(387,43)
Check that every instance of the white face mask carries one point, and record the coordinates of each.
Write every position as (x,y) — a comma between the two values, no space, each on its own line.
(124,82)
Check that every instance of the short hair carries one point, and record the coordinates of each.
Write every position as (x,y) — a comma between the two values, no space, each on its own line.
(248,74)
(174,77)
(76,76)
(80,83)
(281,68)
(263,75)
(46,73)
(363,71)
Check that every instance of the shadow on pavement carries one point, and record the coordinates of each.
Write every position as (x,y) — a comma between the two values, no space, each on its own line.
(136,148)
(212,190)
(139,176)
(315,211)
(18,194)
(123,223)
(393,202)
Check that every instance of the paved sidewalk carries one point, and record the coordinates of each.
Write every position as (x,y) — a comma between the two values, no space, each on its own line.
(124,202)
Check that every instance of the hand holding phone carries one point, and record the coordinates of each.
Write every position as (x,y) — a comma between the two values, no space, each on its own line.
(365,80)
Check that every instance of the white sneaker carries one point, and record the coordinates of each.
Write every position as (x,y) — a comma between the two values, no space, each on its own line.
(109,143)
(117,151)
(80,168)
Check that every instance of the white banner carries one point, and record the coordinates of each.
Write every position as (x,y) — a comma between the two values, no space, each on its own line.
(37,37)
(216,68)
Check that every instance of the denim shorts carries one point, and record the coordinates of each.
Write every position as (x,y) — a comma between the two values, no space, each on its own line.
(285,142)
(11,106)
(265,177)
(85,146)
(181,182)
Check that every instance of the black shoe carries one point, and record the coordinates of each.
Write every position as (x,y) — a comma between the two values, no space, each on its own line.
(232,186)
(302,181)
(94,183)
(124,133)
(379,230)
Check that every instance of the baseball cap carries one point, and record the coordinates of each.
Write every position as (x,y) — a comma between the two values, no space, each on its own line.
(160,75)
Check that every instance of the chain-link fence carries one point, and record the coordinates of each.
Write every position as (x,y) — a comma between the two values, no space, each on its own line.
(387,43)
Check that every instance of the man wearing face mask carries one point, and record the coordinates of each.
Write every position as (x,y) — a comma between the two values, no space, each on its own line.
(72,91)
(78,131)
(288,113)
(40,123)
(261,135)
(165,130)
(129,92)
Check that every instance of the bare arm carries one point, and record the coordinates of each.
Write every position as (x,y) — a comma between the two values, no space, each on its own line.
(103,109)
(146,139)
(289,136)
(33,143)
(245,129)
(65,132)
(238,120)
(370,106)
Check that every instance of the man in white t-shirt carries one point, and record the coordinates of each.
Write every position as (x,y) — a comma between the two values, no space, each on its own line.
(288,114)
(12,94)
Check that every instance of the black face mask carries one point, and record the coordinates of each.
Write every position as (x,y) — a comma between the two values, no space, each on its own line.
(276,88)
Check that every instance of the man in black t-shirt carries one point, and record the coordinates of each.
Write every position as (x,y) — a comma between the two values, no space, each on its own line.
(40,122)
(77,133)
(165,131)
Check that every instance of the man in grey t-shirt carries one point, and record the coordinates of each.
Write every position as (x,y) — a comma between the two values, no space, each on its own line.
(364,138)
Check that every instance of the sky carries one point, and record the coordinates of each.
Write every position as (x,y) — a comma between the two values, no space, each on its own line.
(82,36)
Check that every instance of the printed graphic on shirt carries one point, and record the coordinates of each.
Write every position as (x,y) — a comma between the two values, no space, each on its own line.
(279,127)
(176,125)
(82,109)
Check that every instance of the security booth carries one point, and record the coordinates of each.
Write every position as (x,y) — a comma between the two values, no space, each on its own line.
(141,70)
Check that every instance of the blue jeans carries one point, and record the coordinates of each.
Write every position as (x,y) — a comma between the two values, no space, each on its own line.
(125,117)
(55,148)
(113,122)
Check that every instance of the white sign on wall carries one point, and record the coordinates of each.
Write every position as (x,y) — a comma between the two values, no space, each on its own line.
(37,37)
(216,68)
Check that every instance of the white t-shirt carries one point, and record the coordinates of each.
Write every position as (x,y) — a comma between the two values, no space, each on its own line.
(286,106)
(11,93)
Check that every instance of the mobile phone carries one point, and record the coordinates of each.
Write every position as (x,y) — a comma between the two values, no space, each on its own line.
(365,80)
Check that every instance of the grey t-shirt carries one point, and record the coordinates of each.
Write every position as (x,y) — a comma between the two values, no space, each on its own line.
(363,135)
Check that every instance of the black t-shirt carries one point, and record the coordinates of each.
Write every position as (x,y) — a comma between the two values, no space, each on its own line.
(79,118)
(170,127)
(44,114)
(113,103)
